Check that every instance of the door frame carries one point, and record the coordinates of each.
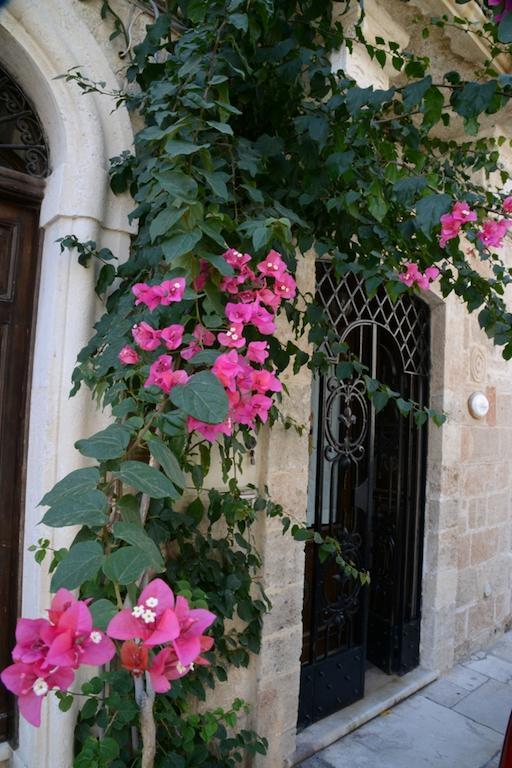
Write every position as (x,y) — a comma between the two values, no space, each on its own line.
(25,191)
(345,305)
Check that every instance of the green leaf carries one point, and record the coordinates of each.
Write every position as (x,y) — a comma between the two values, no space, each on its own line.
(137,537)
(88,508)
(474,98)
(175,147)
(217,183)
(413,93)
(164,221)
(403,406)
(206,357)
(167,461)
(180,244)
(377,206)
(407,190)
(222,127)
(178,184)
(147,479)
(130,509)
(429,210)
(76,482)
(380,400)
(203,397)
(125,565)
(102,611)
(110,443)
(105,279)
(239,20)
(80,564)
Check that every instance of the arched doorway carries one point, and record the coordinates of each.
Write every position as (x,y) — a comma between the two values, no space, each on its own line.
(23,166)
(366,488)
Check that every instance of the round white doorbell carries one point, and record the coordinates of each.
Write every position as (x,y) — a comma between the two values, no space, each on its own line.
(478,405)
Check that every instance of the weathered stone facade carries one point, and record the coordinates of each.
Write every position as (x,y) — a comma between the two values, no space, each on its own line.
(467,562)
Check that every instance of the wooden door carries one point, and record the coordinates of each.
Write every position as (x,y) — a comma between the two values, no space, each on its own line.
(19,250)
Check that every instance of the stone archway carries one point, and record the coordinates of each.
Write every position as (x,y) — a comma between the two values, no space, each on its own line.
(35,47)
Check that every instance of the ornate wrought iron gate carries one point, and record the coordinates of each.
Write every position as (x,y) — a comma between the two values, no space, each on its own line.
(367,477)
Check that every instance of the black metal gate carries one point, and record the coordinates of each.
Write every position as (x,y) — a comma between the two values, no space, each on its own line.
(366,487)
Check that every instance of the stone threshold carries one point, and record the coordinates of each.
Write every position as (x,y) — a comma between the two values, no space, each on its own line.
(330,729)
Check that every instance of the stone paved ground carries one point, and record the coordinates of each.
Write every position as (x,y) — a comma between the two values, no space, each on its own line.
(457,722)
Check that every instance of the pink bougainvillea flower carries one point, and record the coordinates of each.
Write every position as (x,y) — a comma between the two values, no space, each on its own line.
(236,259)
(74,641)
(187,353)
(210,432)
(450,228)
(238,313)
(268,297)
(233,337)
(272,265)
(128,355)
(462,212)
(158,371)
(30,646)
(145,336)
(150,295)
(193,623)
(262,319)
(205,337)
(410,275)
(248,297)
(204,271)
(172,336)
(166,667)
(431,273)
(229,284)
(285,286)
(493,231)
(226,368)
(264,381)
(257,351)
(173,290)
(152,620)
(260,406)
(61,601)
(134,657)
(507,204)
(162,375)
(31,683)
(246,274)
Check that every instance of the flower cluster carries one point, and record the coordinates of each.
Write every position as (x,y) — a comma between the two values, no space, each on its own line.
(255,297)
(48,651)
(158,619)
(413,276)
(491,232)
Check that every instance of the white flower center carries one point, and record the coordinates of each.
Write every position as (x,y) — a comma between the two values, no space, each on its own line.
(177,285)
(152,602)
(95,637)
(180,668)
(148,617)
(138,611)
(40,687)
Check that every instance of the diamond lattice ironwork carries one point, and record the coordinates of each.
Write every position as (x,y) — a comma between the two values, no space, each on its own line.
(346,305)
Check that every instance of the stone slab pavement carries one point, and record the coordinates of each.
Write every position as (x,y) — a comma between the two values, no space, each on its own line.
(456,722)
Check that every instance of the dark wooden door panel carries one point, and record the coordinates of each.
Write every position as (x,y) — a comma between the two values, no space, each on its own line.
(19,249)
